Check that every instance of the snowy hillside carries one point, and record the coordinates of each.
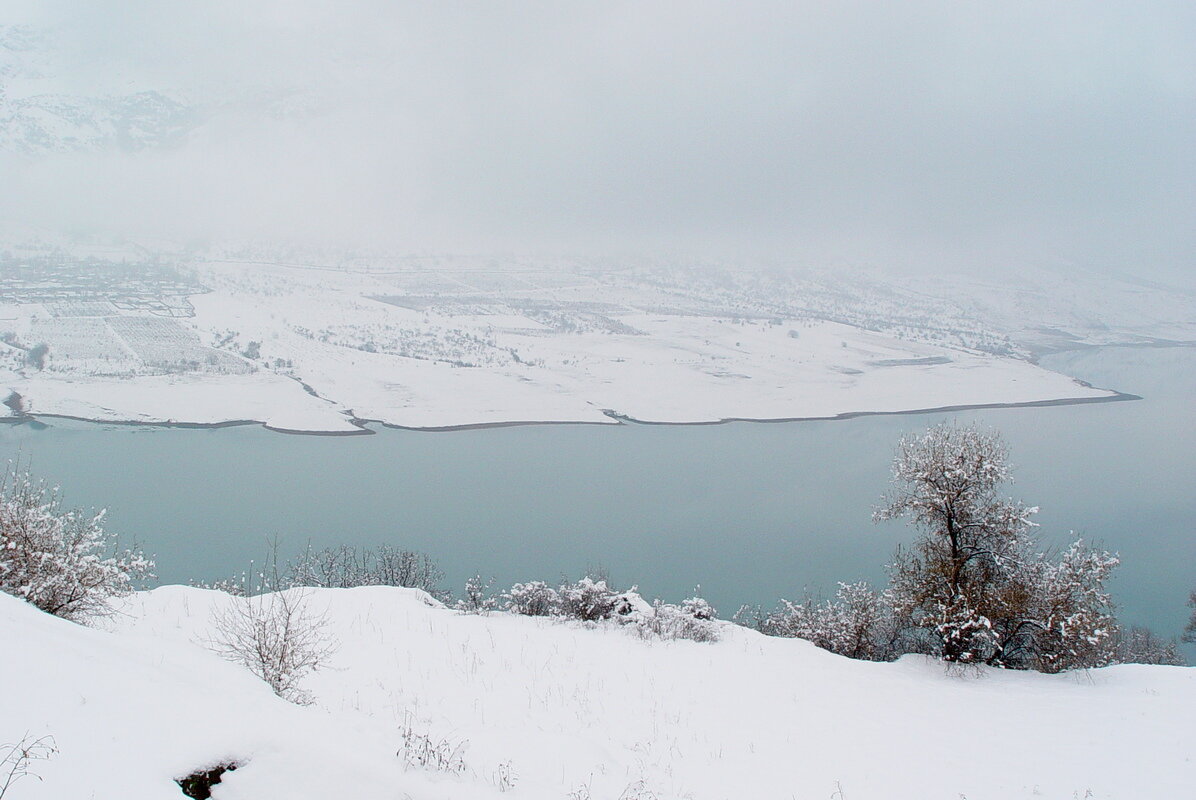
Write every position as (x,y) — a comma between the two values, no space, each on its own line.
(547,710)
(37,117)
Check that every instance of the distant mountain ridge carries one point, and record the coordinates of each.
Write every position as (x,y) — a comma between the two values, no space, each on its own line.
(50,122)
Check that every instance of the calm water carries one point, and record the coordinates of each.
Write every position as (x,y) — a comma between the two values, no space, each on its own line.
(751,512)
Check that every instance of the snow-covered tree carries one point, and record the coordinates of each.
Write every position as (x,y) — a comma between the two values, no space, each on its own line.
(60,560)
(973,583)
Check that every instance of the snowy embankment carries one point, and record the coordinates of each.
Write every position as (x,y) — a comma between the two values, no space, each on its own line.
(569,712)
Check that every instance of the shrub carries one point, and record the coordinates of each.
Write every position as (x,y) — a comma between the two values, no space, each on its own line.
(532,599)
(476,599)
(589,600)
(419,750)
(694,619)
(594,600)
(276,637)
(16,758)
(345,567)
(857,623)
(36,357)
(1138,645)
(60,560)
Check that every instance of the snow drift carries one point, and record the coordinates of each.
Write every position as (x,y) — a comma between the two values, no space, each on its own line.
(543,709)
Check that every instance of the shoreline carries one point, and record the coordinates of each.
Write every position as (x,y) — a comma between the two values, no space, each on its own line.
(1115,397)
(361,426)
(363,429)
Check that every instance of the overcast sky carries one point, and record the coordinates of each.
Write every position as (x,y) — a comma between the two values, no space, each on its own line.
(953,134)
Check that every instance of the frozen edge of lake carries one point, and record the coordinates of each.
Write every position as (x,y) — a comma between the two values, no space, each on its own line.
(362,426)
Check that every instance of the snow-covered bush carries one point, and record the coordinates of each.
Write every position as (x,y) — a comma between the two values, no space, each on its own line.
(594,600)
(857,623)
(60,560)
(476,598)
(1138,645)
(1067,621)
(276,637)
(694,619)
(532,599)
(590,600)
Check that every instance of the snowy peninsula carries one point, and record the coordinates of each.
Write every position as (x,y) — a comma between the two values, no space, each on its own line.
(451,342)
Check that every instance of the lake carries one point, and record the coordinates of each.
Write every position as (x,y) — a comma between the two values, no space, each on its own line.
(749,511)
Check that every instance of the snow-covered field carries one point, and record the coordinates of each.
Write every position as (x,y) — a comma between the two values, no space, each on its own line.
(458,343)
(569,712)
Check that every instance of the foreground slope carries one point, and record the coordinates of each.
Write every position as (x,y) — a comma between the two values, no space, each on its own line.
(569,712)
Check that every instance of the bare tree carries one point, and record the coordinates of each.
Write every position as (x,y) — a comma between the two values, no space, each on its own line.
(276,636)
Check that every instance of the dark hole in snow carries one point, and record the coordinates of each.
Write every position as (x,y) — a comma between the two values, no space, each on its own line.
(199,783)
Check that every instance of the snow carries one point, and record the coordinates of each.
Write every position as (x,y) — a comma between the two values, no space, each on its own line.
(185,398)
(567,707)
(331,348)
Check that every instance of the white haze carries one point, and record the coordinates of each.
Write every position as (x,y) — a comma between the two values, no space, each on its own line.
(888,134)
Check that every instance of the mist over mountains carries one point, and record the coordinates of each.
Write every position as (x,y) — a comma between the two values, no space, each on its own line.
(915,137)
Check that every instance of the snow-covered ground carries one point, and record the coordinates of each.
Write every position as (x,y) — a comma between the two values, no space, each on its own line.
(570,712)
(465,342)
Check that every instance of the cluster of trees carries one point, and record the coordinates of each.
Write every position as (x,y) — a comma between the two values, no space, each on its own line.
(344,567)
(974,587)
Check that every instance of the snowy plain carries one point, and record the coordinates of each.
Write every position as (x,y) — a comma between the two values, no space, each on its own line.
(452,343)
(570,712)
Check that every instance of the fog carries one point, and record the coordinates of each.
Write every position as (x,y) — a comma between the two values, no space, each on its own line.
(958,135)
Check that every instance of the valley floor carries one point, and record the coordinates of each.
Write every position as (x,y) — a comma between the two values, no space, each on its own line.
(314,350)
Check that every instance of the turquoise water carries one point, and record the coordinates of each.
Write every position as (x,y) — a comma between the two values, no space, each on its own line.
(749,511)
